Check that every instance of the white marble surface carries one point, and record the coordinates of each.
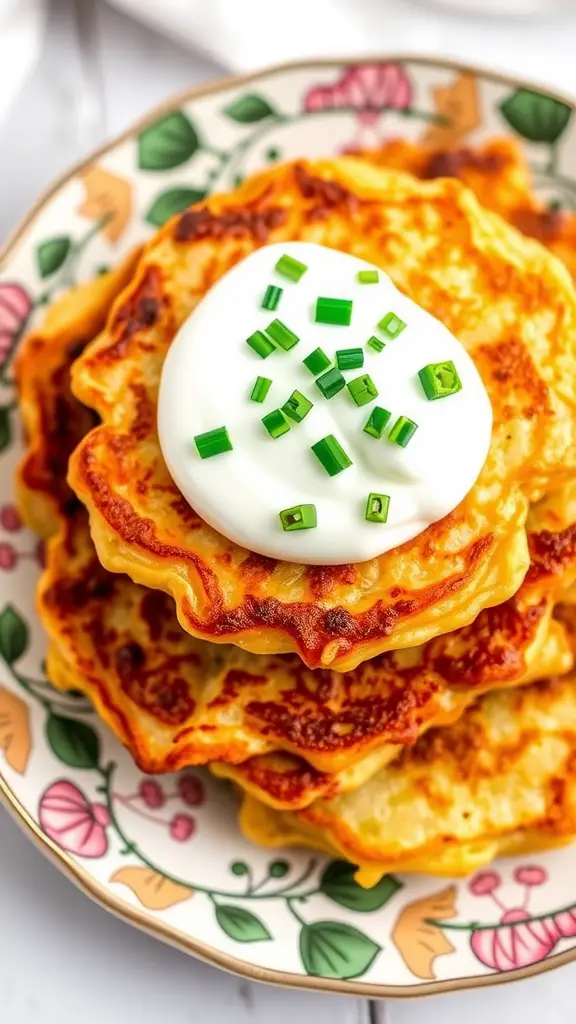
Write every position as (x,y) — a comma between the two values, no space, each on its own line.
(62,959)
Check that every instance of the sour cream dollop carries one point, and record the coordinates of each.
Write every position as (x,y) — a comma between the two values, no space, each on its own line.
(208,377)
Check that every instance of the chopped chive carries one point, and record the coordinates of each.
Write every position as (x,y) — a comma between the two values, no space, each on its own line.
(375,344)
(368,276)
(391,325)
(333,311)
(299,517)
(332,455)
(272,297)
(276,423)
(376,422)
(297,406)
(317,361)
(288,267)
(331,383)
(282,335)
(402,431)
(363,389)
(440,380)
(261,344)
(349,359)
(213,442)
(261,388)
(377,508)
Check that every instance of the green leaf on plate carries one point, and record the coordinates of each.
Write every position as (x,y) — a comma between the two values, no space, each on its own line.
(5,429)
(332,949)
(174,200)
(536,117)
(338,884)
(74,743)
(249,108)
(169,142)
(51,255)
(240,924)
(13,635)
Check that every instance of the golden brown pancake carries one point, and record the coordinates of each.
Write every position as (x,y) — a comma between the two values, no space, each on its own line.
(499,176)
(175,701)
(511,304)
(501,780)
(54,420)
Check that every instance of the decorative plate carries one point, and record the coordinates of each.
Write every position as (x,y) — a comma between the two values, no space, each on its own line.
(166,853)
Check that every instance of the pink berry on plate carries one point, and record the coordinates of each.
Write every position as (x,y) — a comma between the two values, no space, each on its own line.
(182,827)
(10,519)
(191,790)
(152,794)
(530,875)
(8,556)
(484,883)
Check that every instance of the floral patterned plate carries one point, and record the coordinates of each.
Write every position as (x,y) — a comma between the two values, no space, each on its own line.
(166,853)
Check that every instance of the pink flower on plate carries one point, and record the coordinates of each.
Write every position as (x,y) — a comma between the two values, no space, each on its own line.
(519,939)
(15,305)
(67,817)
(516,945)
(368,89)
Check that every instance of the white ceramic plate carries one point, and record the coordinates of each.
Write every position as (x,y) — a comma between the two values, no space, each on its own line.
(169,857)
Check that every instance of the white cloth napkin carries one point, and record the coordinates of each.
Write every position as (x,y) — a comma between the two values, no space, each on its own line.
(246,34)
(21,32)
(243,35)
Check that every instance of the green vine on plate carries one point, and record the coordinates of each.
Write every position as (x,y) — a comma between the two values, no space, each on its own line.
(173,140)
(327,948)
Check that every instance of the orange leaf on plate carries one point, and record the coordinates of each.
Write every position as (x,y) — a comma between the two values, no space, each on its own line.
(15,738)
(459,104)
(107,195)
(154,891)
(417,940)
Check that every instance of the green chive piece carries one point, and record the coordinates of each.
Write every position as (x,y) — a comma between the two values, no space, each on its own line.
(376,422)
(299,517)
(349,358)
(261,344)
(377,508)
(276,423)
(363,389)
(402,431)
(334,311)
(391,325)
(282,335)
(331,383)
(288,267)
(317,361)
(261,388)
(440,380)
(332,455)
(297,407)
(213,442)
(368,276)
(272,297)
(375,344)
